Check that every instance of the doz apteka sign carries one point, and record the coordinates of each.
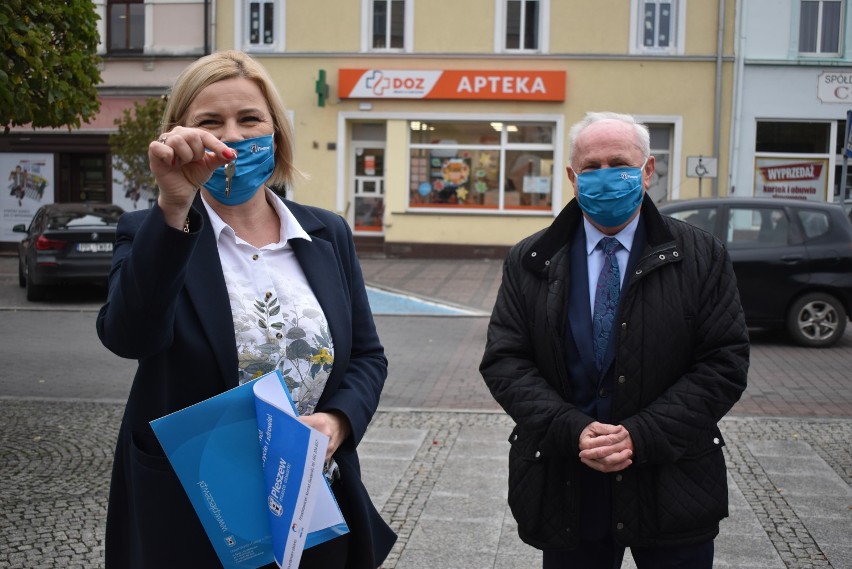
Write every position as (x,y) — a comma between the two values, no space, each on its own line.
(451,84)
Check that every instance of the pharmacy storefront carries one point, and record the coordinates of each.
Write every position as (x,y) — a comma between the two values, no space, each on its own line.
(472,150)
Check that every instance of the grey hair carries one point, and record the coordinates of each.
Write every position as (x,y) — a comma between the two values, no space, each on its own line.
(643,137)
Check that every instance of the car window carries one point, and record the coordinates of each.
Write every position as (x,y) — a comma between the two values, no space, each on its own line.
(758,227)
(703,217)
(71,220)
(815,223)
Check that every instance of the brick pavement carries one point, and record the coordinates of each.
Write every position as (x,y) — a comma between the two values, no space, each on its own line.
(435,361)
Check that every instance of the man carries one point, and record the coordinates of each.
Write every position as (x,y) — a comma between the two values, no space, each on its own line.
(616,358)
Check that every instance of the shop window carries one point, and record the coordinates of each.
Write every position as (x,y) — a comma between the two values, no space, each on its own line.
(126,33)
(263,25)
(820,23)
(797,136)
(657,27)
(388,24)
(470,165)
(792,159)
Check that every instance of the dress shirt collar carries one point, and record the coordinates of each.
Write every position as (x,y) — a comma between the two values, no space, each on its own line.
(625,236)
(290,226)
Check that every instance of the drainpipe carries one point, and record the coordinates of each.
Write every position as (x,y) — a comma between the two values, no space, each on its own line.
(717,113)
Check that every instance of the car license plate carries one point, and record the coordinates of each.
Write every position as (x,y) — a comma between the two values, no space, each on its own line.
(94,247)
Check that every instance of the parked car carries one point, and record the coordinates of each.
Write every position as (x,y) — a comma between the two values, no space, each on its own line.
(792,258)
(66,244)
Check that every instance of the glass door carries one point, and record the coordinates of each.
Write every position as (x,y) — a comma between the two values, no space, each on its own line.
(369,180)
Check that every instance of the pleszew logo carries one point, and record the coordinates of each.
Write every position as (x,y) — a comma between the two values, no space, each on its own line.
(254,148)
(626,176)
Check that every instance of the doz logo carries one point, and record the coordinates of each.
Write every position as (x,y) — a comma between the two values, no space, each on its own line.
(379,83)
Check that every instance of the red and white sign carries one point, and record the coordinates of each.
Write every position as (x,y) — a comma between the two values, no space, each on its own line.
(796,178)
(451,84)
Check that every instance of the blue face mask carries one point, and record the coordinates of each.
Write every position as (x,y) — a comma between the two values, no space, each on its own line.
(609,196)
(254,165)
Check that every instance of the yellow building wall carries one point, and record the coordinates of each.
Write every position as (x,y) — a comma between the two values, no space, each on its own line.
(670,87)
(451,26)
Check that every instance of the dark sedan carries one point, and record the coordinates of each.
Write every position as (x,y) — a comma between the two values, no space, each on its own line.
(793,261)
(66,244)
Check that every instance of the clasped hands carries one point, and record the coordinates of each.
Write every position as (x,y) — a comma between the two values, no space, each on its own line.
(606,448)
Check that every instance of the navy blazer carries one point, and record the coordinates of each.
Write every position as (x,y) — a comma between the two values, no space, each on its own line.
(591,388)
(168,308)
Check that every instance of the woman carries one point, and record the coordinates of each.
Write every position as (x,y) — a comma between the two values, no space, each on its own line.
(220,282)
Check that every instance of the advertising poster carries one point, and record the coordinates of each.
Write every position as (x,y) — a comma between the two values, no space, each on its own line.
(792,178)
(27,184)
(129,198)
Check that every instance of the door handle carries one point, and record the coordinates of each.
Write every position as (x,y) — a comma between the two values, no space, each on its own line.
(792,258)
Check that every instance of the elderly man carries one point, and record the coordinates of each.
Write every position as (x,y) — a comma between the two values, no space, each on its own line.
(616,344)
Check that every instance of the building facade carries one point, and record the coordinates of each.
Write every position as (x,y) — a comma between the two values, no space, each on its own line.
(439,127)
(795,90)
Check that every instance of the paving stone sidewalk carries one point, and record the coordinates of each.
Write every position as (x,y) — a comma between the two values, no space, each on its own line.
(439,478)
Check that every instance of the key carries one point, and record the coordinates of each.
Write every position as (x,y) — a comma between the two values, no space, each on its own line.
(230,169)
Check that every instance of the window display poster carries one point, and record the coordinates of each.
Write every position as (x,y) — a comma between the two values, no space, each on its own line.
(128,197)
(792,178)
(27,185)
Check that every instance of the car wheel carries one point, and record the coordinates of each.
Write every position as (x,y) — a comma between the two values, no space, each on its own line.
(816,320)
(34,291)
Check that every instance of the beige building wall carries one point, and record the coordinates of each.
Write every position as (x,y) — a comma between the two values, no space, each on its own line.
(589,40)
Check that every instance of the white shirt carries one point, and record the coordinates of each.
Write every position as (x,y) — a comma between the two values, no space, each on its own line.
(278,321)
(595,255)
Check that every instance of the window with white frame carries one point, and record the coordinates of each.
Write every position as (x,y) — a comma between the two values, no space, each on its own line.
(657,26)
(820,24)
(263,25)
(126,26)
(388,24)
(521,26)
(479,165)
(661,149)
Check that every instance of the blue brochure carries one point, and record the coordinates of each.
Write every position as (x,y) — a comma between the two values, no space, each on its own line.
(253,473)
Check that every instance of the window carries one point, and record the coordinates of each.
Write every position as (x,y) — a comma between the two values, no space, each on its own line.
(661,150)
(126,26)
(793,159)
(657,26)
(522,17)
(819,27)
(388,24)
(521,26)
(768,227)
(477,165)
(261,23)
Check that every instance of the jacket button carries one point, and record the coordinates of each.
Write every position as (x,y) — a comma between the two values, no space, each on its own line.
(619,525)
(255,257)
(618,477)
(716,440)
(622,379)
(624,325)
(537,454)
(514,438)
(533,254)
(604,392)
(567,530)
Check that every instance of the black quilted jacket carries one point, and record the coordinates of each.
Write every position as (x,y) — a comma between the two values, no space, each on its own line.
(681,363)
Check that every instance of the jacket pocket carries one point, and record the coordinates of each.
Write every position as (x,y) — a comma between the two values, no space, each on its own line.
(169,533)
(692,493)
(538,489)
